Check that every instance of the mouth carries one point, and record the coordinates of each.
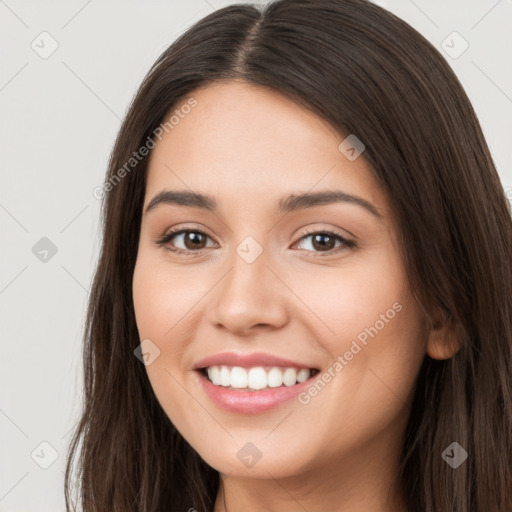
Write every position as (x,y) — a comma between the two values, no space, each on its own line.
(256,378)
(253,389)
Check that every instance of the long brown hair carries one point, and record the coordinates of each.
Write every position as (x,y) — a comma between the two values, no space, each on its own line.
(367,73)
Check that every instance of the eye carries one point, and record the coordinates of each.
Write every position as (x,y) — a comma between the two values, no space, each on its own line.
(324,241)
(193,239)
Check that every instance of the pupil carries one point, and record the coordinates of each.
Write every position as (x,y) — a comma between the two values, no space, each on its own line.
(322,244)
(194,238)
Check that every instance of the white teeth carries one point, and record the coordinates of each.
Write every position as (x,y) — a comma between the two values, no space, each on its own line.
(225,377)
(303,375)
(214,375)
(290,377)
(257,377)
(275,378)
(239,377)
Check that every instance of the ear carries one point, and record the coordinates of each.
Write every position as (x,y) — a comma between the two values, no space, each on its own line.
(444,340)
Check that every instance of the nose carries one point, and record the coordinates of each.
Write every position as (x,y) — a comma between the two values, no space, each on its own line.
(249,297)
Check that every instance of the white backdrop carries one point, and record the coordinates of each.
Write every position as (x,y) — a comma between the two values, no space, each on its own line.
(67,73)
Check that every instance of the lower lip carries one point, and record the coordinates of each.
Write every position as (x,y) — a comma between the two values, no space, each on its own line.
(250,402)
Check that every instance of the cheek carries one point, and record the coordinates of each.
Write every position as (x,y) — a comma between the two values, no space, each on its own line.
(367,319)
(352,297)
(161,296)
(161,316)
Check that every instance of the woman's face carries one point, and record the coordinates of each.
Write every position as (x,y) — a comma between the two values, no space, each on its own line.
(270,277)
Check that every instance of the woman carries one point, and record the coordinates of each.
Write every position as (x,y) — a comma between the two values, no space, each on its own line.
(304,296)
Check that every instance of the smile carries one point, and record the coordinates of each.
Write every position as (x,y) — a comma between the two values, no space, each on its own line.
(258,377)
(255,390)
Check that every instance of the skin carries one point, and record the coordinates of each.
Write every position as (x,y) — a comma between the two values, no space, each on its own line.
(248,147)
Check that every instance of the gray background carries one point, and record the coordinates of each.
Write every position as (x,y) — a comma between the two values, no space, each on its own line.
(59,117)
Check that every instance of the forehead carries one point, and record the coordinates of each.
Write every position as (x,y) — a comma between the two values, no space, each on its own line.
(255,141)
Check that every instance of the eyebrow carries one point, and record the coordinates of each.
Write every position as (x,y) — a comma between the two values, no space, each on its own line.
(287,204)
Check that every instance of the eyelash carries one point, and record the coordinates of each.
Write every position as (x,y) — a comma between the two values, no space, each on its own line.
(165,239)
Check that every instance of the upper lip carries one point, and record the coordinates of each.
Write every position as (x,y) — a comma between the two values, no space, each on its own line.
(248,360)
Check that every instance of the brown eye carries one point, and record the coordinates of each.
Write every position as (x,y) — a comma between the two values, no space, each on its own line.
(190,240)
(193,240)
(325,241)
